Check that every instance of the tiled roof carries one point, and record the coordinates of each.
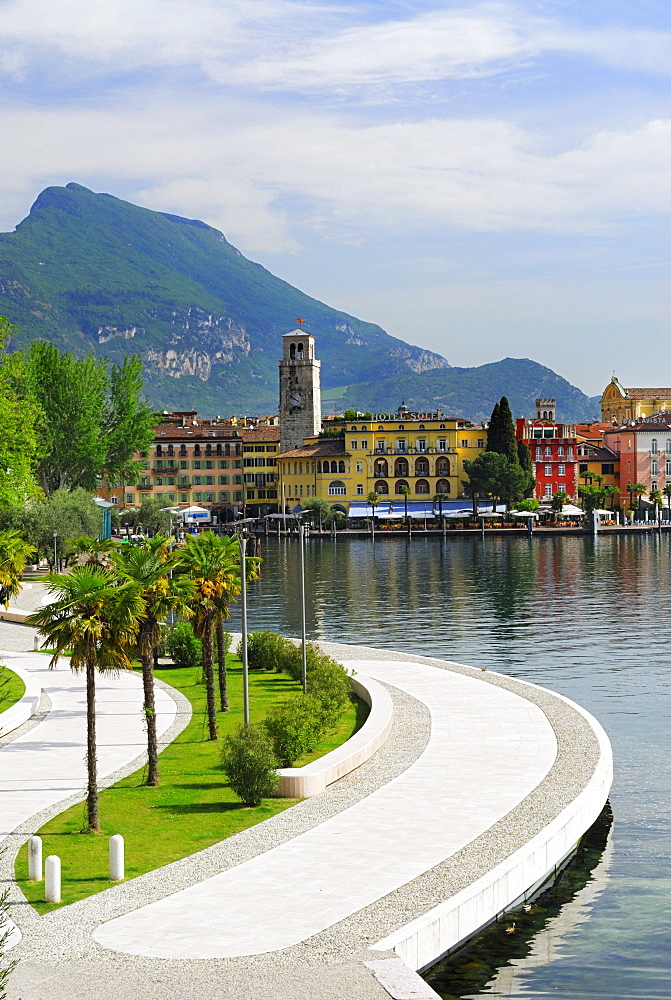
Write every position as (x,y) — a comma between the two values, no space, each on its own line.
(649,393)
(321,449)
(601,454)
(166,431)
(251,434)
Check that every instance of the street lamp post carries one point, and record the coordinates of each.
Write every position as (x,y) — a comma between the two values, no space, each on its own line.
(55,551)
(242,542)
(301,539)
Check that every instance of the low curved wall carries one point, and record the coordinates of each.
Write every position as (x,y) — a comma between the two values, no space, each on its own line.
(422,942)
(25,707)
(304,782)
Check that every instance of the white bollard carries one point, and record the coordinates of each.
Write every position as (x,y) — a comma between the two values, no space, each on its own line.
(36,642)
(116,858)
(35,859)
(52,879)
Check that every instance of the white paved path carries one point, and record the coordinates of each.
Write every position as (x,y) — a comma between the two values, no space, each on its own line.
(47,764)
(488,749)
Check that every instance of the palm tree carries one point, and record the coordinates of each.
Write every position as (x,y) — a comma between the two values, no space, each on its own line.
(98,551)
(667,493)
(439,499)
(213,562)
(149,567)
(373,499)
(656,499)
(610,491)
(14,554)
(97,619)
(635,489)
(405,493)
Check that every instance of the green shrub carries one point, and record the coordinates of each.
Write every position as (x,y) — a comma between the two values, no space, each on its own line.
(295,728)
(266,650)
(249,762)
(328,684)
(182,646)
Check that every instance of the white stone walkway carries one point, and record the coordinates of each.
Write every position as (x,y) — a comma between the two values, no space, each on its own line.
(47,764)
(488,749)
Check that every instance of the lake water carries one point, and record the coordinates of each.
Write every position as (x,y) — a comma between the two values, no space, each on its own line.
(587,617)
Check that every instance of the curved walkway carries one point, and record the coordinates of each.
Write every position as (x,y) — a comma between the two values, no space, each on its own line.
(488,749)
(46,765)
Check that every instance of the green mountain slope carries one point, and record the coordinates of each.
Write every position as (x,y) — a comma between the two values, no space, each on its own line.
(91,271)
(470,392)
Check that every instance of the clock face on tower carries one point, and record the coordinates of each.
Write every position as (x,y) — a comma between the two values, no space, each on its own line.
(295,399)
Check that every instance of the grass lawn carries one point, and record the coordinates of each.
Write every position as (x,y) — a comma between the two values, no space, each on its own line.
(192,808)
(11,688)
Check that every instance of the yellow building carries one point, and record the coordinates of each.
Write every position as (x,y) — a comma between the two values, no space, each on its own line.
(619,404)
(422,451)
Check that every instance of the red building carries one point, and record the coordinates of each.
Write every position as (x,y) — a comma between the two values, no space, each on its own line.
(554,451)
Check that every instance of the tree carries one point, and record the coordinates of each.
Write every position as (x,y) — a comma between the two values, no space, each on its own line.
(667,493)
(19,419)
(592,496)
(492,474)
(213,562)
(319,511)
(152,516)
(558,501)
(656,499)
(96,620)
(130,422)
(373,499)
(349,414)
(14,554)
(524,459)
(223,646)
(440,499)
(635,490)
(5,934)
(70,514)
(250,764)
(501,436)
(71,393)
(611,492)
(405,493)
(149,567)
(98,551)
(530,504)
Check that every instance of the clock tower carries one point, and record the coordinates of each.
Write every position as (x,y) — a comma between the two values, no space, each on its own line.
(300,392)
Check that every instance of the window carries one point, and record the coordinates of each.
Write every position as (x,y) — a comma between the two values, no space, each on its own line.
(401,467)
(144,481)
(560,449)
(548,432)
(197,480)
(237,480)
(570,452)
(359,489)
(130,499)
(209,480)
(196,496)
(364,444)
(237,496)
(399,484)
(482,443)
(209,465)
(359,466)
(548,470)
(341,466)
(653,446)
(422,427)
(561,469)
(337,488)
(421,467)
(400,445)
(539,454)
(562,487)
(548,452)
(171,481)
(442,467)
(668,446)
(654,467)
(381,468)
(421,486)
(442,486)
(184,465)
(548,490)
(401,427)
(381,487)
(607,468)
(184,498)
(223,480)
(653,486)
(159,480)
(442,444)
(209,498)
(354,445)
(353,428)
(668,467)
(463,444)
(421,444)
(195,465)
(442,427)
(183,480)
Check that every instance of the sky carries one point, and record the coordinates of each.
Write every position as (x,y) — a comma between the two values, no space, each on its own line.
(485,180)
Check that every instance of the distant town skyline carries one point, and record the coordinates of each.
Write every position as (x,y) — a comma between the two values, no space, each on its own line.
(484,180)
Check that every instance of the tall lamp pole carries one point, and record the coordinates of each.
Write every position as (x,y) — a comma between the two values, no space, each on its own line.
(301,539)
(242,542)
(55,551)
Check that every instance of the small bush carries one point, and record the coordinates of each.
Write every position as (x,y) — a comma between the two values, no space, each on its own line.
(295,728)
(182,646)
(249,762)
(266,650)
(328,684)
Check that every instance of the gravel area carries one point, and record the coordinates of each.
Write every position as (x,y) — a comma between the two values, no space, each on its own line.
(61,952)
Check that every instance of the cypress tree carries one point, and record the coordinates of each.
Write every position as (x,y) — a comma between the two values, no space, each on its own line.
(507,436)
(494,430)
(524,456)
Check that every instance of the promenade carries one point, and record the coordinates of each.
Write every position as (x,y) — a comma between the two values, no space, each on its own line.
(325,899)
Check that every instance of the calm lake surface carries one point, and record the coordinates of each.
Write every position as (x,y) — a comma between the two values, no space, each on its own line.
(589,618)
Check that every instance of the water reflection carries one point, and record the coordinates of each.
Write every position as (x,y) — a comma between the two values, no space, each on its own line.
(532,937)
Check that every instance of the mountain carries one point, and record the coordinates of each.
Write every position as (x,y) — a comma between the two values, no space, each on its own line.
(90,271)
(471,392)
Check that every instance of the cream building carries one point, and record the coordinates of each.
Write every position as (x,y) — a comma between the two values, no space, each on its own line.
(619,405)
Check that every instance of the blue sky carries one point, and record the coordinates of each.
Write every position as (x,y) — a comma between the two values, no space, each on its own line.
(482,179)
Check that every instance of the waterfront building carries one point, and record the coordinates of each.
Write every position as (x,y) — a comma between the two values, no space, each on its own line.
(598,464)
(382,453)
(619,405)
(300,407)
(226,466)
(644,450)
(554,450)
